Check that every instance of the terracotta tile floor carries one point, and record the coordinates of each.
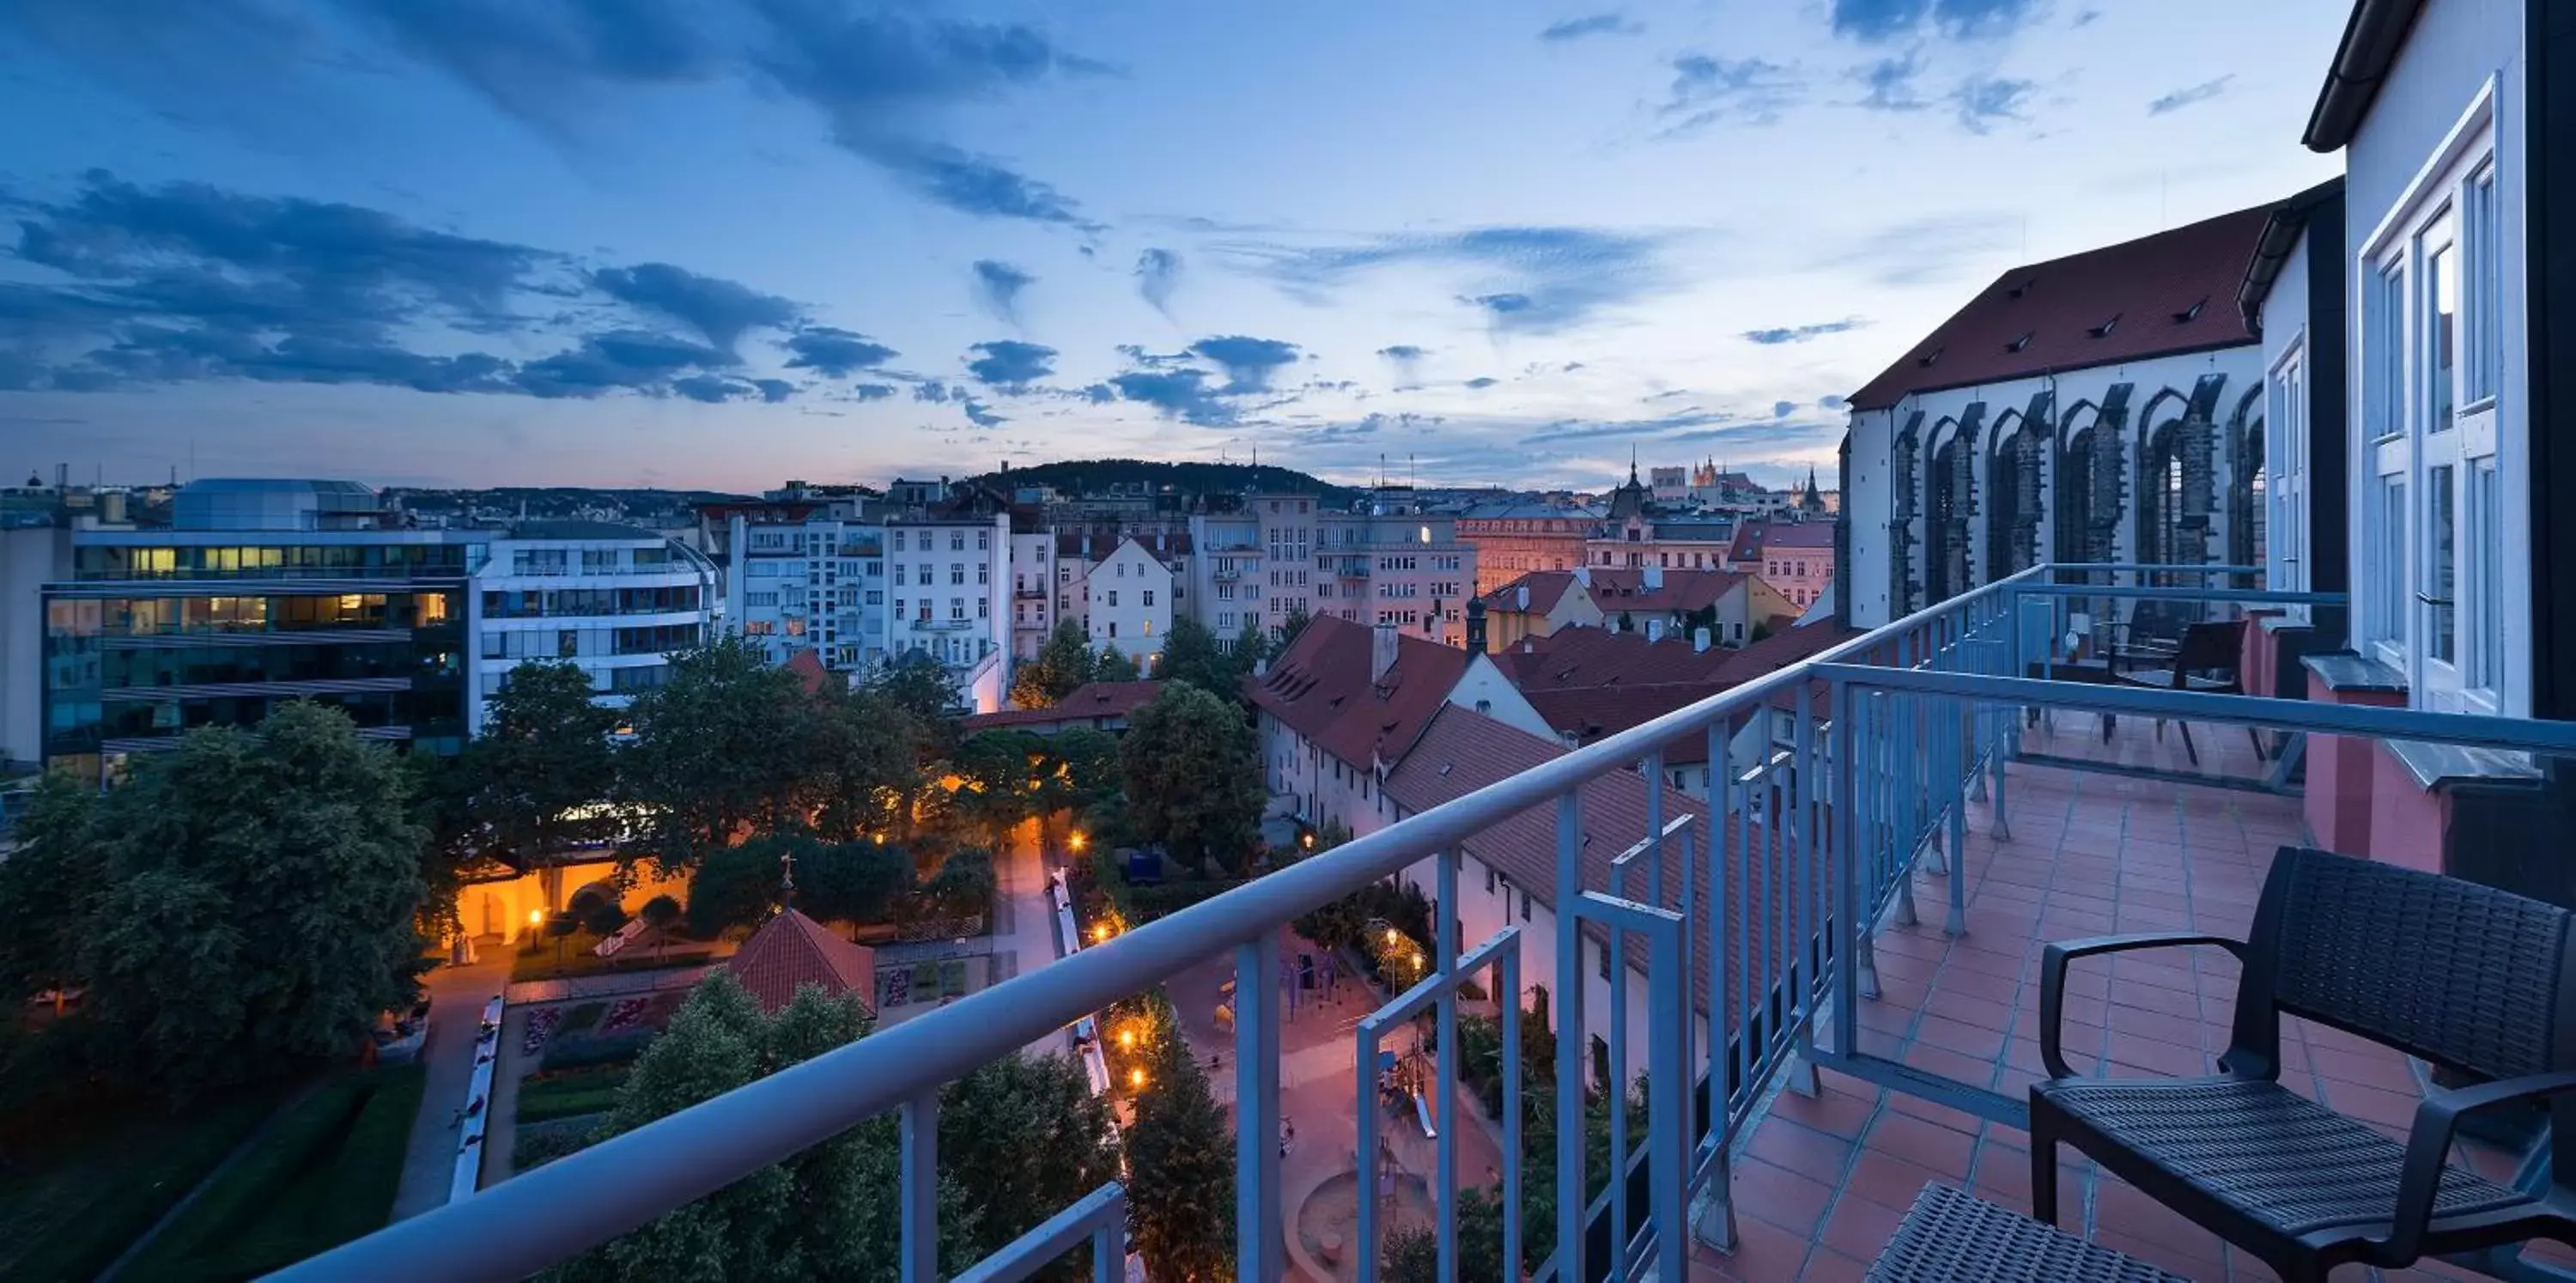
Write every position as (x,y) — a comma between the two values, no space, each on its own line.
(1824,1180)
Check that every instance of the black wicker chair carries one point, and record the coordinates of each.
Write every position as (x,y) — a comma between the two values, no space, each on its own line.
(2451,972)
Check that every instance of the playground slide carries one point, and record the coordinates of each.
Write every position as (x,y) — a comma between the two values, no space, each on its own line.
(1422,1114)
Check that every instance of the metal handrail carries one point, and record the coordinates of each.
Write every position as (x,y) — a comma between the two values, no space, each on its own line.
(572,1203)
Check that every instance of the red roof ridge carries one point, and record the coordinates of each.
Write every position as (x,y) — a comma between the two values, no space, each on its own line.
(791,951)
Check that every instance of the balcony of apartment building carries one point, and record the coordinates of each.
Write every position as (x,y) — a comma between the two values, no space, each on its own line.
(1864,927)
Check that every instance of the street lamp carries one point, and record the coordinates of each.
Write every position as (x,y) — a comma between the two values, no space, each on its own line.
(1136,1079)
(1077,841)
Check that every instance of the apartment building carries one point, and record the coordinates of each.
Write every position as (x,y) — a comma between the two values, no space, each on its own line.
(613,600)
(860,592)
(1127,604)
(1515,538)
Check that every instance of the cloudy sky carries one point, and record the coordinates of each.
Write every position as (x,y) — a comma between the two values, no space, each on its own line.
(724,242)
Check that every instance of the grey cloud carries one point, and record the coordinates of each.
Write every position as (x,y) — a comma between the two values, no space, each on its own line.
(834,352)
(719,309)
(1158,273)
(1921,250)
(1801,333)
(1984,101)
(1248,362)
(1533,279)
(2181,98)
(1010,364)
(1706,90)
(998,286)
(1598,24)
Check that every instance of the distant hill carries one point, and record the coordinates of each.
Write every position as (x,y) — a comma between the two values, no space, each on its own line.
(638,504)
(1074,476)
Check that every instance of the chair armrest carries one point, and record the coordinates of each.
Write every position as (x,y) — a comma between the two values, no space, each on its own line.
(2429,1143)
(2052,978)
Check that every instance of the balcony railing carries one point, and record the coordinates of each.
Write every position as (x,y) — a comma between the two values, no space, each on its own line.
(1746,917)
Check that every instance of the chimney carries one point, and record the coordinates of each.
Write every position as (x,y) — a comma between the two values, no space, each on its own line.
(1475,625)
(1654,630)
(1520,597)
(1653,578)
(1529,646)
(1381,653)
(1699,641)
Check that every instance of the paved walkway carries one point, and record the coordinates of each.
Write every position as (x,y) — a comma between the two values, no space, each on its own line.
(1024,932)
(456,998)
(612,984)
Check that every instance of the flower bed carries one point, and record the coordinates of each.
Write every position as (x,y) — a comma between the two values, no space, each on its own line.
(541,1025)
(628,1013)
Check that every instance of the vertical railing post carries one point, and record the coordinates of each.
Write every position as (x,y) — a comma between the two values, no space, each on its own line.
(1616,1088)
(1507,986)
(1873,739)
(1668,1104)
(2008,737)
(1846,822)
(1364,1247)
(1568,1014)
(1808,775)
(920,1206)
(1444,951)
(1257,1246)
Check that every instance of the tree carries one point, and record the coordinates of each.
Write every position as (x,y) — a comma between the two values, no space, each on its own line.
(1113,665)
(852,882)
(709,761)
(49,888)
(864,757)
(1293,623)
(245,904)
(737,886)
(993,1120)
(995,771)
(1063,665)
(964,883)
(1180,1158)
(916,684)
(1249,650)
(1081,769)
(1192,654)
(543,764)
(1193,777)
(832,1211)
(662,913)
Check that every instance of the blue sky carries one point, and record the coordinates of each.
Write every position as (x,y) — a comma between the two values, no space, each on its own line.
(724,242)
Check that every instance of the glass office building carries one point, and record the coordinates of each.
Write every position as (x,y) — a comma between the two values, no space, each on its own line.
(260,592)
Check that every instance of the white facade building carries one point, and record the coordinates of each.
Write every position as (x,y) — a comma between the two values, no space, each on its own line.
(1127,604)
(859,594)
(2102,407)
(1033,612)
(613,600)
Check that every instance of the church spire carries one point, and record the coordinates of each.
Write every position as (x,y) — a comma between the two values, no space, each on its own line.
(1632,463)
(787,880)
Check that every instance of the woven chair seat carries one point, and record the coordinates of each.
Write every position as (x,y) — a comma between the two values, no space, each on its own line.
(2264,1150)
(1951,1237)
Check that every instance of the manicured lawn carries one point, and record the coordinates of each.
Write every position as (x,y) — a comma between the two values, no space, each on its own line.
(537,960)
(82,1203)
(570,1093)
(325,1173)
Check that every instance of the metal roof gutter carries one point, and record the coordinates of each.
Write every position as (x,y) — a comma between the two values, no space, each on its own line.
(2371,39)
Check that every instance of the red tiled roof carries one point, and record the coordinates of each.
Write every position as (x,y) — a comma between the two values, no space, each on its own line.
(791,951)
(1683,591)
(1546,588)
(1105,540)
(1596,712)
(1800,534)
(1320,688)
(2045,316)
(1594,657)
(808,668)
(1086,702)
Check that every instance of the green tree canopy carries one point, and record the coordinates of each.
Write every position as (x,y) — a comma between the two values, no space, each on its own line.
(1191,653)
(994,772)
(1180,1158)
(537,773)
(1292,624)
(1193,777)
(1063,665)
(831,1212)
(245,904)
(917,684)
(1081,769)
(852,882)
(738,886)
(712,752)
(1112,665)
(1026,1138)
(863,757)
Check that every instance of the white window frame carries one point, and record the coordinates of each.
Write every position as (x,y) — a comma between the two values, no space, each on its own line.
(2401,596)
(2285,453)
